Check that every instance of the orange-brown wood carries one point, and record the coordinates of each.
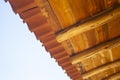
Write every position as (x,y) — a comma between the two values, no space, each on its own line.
(92,24)
(47,17)
(115,76)
(100,69)
(90,52)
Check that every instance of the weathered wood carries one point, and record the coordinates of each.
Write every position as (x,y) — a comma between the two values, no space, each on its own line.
(115,76)
(100,69)
(94,22)
(91,52)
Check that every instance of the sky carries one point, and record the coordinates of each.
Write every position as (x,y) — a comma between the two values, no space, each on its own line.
(22,56)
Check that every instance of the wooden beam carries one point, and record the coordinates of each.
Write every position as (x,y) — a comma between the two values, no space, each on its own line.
(94,22)
(92,51)
(101,69)
(115,76)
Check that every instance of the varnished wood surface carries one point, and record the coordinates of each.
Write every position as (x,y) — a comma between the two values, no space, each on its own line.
(91,24)
(93,51)
(46,17)
(95,36)
(72,11)
(101,69)
(100,58)
(115,76)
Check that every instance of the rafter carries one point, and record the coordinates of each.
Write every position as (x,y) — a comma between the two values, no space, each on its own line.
(101,69)
(94,22)
(115,76)
(91,52)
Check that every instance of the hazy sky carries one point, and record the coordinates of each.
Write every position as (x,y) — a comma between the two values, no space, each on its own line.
(21,55)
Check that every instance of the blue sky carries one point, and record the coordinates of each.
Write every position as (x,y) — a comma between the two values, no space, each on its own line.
(22,56)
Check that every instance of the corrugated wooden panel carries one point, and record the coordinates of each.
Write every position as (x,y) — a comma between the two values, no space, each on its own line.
(39,24)
(20,5)
(36,21)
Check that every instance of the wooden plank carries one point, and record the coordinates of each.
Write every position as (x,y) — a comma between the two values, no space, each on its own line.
(115,76)
(90,24)
(116,52)
(99,59)
(79,9)
(88,64)
(78,43)
(63,12)
(114,28)
(68,47)
(99,32)
(90,52)
(91,38)
(100,69)
(102,75)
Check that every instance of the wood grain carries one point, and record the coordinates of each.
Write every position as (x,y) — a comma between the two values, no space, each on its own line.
(92,24)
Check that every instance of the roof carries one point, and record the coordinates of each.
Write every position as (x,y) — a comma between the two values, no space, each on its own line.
(82,35)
